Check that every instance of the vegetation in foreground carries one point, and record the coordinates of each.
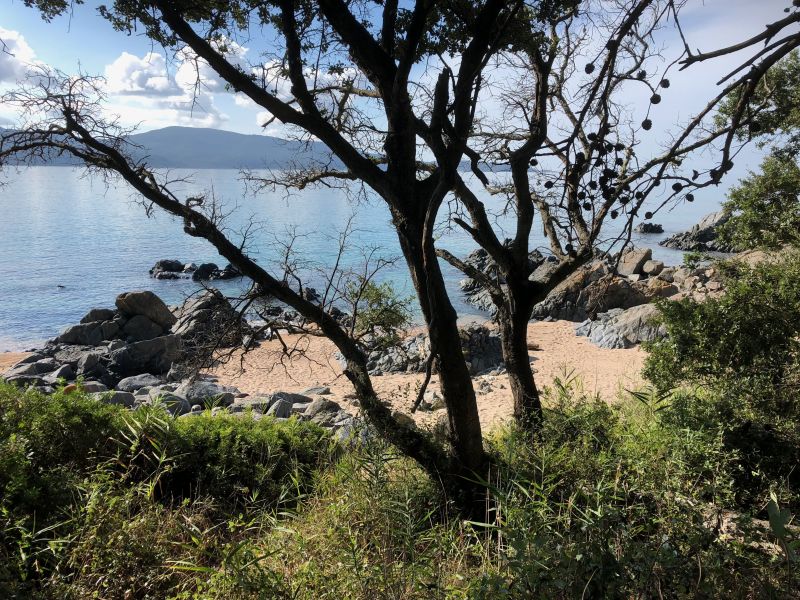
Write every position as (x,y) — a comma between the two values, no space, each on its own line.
(616,501)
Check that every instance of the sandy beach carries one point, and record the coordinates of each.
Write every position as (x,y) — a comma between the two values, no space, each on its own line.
(311,363)
(266,369)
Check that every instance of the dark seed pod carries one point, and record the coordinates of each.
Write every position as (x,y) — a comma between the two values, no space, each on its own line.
(608,173)
(534,162)
(592,185)
(641,74)
(568,248)
(598,162)
(677,186)
(627,187)
(589,68)
(690,197)
(591,137)
(580,157)
(619,147)
(609,147)
(587,206)
(614,214)
(605,129)
(581,195)
(548,184)
(655,99)
(603,180)
(664,83)
(755,127)
(648,215)
(639,195)
(611,44)
(619,161)
(647,124)
(657,183)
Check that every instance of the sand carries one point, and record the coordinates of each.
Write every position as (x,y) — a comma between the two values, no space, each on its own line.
(310,363)
(8,359)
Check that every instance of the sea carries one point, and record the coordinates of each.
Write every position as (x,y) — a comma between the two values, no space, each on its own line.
(71,241)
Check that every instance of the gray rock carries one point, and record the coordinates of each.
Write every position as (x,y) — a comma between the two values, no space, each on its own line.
(652,267)
(118,398)
(633,260)
(137,382)
(649,228)
(259,404)
(166,266)
(319,406)
(98,315)
(204,271)
(280,409)
(145,303)
(619,328)
(91,387)
(44,365)
(64,372)
(84,334)
(208,318)
(148,356)
(702,237)
(88,363)
(206,393)
(140,328)
(317,391)
(175,405)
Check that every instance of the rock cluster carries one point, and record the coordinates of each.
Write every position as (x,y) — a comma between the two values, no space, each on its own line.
(618,328)
(476,295)
(702,237)
(175,269)
(481,348)
(597,287)
(140,337)
(649,228)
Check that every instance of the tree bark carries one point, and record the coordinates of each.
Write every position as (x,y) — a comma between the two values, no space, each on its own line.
(513,327)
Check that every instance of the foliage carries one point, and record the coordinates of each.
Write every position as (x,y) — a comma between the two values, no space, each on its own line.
(775,107)
(379,311)
(614,501)
(765,207)
(735,362)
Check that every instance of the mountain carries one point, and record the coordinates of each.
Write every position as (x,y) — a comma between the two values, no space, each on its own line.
(199,148)
(202,148)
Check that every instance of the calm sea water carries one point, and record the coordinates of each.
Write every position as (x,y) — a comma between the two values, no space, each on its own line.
(69,242)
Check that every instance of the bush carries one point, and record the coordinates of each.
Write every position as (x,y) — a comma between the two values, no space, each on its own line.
(736,362)
(765,207)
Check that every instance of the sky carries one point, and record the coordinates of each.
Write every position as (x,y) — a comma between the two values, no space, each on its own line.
(152,88)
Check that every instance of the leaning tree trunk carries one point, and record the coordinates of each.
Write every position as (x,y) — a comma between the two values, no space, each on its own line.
(441,320)
(513,329)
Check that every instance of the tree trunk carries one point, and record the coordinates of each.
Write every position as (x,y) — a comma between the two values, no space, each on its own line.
(441,320)
(514,340)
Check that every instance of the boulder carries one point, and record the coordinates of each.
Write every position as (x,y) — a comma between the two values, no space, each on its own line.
(208,318)
(140,328)
(98,315)
(280,409)
(166,266)
(633,260)
(147,304)
(118,398)
(39,367)
(204,272)
(148,356)
(64,372)
(229,272)
(620,328)
(92,387)
(319,406)
(652,267)
(137,382)
(259,404)
(83,334)
(702,237)
(317,391)
(649,228)
(207,393)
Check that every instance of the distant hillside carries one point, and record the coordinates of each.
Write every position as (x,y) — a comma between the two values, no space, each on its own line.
(197,148)
(201,148)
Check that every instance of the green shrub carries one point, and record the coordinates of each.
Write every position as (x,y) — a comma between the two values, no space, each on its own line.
(735,362)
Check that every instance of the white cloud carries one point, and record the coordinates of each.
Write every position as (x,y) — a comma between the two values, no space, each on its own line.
(16,56)
(146,76)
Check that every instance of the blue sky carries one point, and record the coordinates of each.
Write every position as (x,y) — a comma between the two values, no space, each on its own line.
(148,86)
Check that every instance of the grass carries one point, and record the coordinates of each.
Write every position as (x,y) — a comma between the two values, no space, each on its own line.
(616,501)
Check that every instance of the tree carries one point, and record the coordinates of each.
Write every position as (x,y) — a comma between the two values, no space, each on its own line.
(765,207)
(399,95)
